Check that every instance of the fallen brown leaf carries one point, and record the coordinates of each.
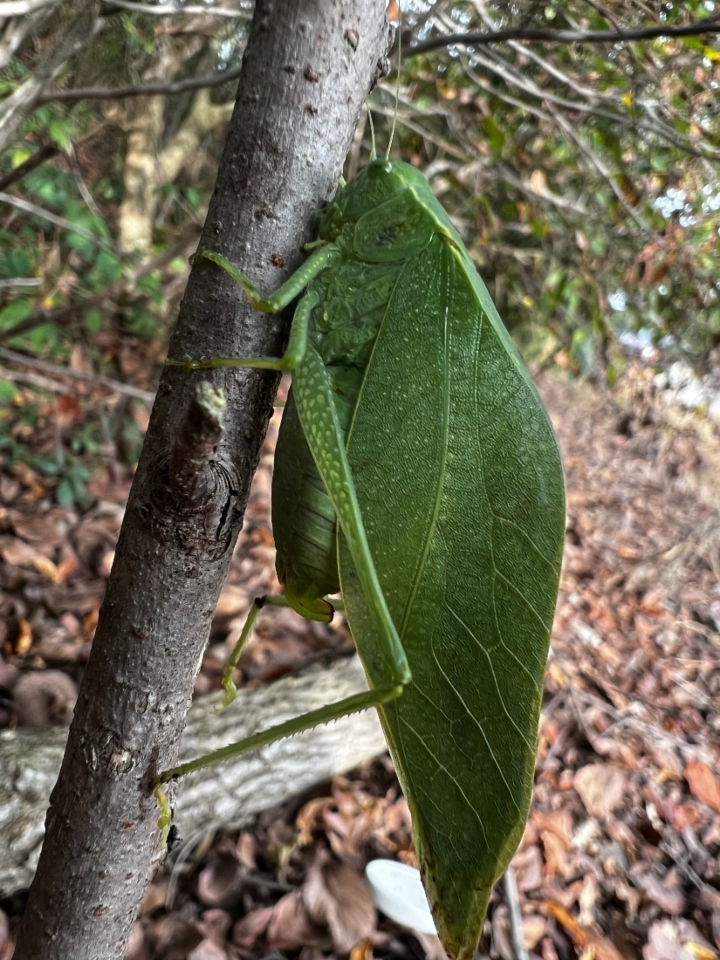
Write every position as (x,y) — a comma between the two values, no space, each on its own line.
(601,787)
(339,898)
(663,943)
(207,950)
(666,893)
(587,939)
(251,927)
(290,926)
(219,883)
(23,638)
(45,698)
(703,783)
(363,950)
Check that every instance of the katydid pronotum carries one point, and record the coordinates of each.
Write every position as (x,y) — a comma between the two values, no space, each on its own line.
(417,473)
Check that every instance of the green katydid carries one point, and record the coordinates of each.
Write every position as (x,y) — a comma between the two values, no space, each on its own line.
(416,471)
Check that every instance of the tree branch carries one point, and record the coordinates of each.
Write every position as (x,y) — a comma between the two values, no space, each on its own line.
(84,376)
(537,34)
(698,27)
(23,99)
(230,794)
(68,225)
(43,153)
(21,8)
(159,89)
(168,10)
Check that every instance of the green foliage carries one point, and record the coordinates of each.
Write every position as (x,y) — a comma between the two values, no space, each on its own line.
(562,158)
(8,391)
(66,469)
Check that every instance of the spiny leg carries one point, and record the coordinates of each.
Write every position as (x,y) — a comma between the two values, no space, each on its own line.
(333,711)
(165,819)
(313,397)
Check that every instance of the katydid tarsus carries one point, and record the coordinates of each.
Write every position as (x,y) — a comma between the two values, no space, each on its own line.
(416,471)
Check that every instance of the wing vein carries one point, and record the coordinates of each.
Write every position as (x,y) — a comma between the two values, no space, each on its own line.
(447,300)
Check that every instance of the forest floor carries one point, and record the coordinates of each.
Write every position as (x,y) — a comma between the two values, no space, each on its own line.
(621,855)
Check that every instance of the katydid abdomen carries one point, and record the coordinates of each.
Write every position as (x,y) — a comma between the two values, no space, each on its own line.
(303,517)
(343,328)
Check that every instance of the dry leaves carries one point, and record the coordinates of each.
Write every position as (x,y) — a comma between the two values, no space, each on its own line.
(703,783)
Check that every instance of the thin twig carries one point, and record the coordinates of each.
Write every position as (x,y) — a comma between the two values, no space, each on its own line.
(85,376)
(21,282)
(512,896)
(62,315)
(37,211)
(45,152)
(710,25)
(483,38)
(21,8)
(169,9)
(32,380)
(159,89)
(80,27)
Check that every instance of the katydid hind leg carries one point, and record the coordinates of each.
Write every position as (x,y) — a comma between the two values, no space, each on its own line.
(313,396)
(333,711)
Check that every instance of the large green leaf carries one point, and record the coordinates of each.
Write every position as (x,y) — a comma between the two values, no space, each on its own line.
(461,488)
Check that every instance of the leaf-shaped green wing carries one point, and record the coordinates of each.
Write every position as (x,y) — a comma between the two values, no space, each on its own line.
(460,485)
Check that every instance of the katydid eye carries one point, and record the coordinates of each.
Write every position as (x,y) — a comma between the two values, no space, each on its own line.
(378,168)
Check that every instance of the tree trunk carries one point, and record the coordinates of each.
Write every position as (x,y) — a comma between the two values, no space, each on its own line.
(306,71)
(230,793)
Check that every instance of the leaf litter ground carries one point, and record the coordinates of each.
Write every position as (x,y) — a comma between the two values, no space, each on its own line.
(621,856)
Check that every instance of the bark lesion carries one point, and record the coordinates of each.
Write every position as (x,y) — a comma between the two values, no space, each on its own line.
(193,486)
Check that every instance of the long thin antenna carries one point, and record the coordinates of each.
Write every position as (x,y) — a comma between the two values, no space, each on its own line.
(373,151)
(397,87)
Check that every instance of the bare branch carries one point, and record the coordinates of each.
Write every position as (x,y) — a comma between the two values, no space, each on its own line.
(45,152)
(512,897)
(159,89)
(709,25)
(170,9)
(484,38)
(21,8)
(85,376)
(171,560)
(21,282)
(37,211)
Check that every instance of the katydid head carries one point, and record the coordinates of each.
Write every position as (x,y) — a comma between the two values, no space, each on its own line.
(380,181)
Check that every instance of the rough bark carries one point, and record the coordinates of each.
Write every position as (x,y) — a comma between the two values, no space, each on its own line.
(307,69)
(229,794)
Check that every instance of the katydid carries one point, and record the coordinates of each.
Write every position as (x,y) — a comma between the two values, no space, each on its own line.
(417,472)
